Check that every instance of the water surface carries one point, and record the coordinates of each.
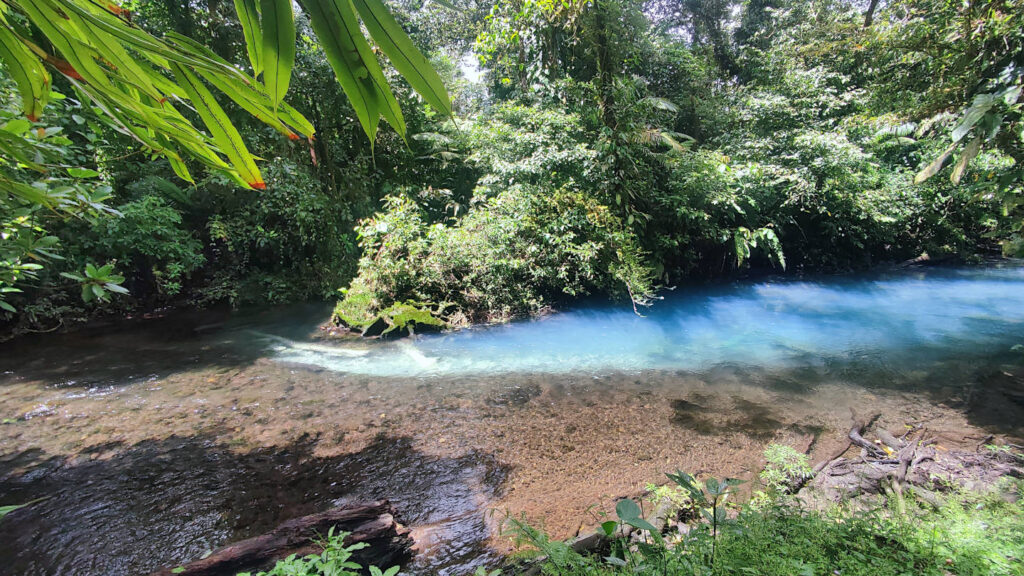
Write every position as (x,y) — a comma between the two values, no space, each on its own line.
(893,317)
(159,440)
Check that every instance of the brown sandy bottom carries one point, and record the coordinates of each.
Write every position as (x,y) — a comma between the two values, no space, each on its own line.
(156,472)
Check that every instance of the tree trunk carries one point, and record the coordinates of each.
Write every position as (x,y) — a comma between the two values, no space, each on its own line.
(373,523)
(869,16)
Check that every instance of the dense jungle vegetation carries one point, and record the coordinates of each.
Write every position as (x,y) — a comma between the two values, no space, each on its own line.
(576,147)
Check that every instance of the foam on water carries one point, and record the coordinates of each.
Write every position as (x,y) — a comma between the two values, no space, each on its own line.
(894,317)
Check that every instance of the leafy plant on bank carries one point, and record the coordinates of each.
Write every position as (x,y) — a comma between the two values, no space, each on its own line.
(710,499)
(785,472)
(98,283)
(970,534)
(334,560)
(40,186)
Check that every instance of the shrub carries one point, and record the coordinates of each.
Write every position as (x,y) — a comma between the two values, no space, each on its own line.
(151,244)
(518,253)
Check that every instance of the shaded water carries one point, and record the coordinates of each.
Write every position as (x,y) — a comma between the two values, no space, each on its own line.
(158,441)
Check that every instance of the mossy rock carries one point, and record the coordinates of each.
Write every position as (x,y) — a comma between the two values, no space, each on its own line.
(397,320)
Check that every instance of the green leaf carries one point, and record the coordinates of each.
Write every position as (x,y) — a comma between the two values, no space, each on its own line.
(970,151)
(5,510)
(249,94)
(115,288)
(82,173)
(249,16)
(26,70)
(223,132)
(642,524)
(18,126)
(627,510)
(609,527)
(935,166)
(404,56)
(336,25)
(981,104)
(278,48)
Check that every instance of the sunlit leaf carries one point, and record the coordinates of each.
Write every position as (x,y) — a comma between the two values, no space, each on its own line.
(249,17)
(404,56)
(968,154)
(221,129)
(936,165)
(354,64)
(27,72)
(278,48)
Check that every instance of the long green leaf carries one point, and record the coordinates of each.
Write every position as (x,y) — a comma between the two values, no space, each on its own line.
(405,57)
(250,101)
(249,94)
(970,151)
(128,70)
(148,46)
(28,73)
(278,47)
(223,132)
(326,20)
(80,57)
(248,15)
(5,510)
(337,26)
(936,165)
(179,167)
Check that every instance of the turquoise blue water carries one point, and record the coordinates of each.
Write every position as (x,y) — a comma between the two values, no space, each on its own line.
(902,317)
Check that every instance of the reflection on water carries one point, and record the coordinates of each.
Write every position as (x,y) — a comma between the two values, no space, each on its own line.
(158,441)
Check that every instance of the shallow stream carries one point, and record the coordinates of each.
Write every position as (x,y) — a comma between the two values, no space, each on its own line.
(156,441)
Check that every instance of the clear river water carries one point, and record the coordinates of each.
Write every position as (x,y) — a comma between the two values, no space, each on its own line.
(157,440)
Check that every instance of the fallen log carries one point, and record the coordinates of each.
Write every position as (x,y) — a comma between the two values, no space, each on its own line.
(373,523)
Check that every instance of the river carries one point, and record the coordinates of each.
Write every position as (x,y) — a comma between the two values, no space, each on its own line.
(155,441)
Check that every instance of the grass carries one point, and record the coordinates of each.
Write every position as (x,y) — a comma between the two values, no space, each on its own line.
(970,535)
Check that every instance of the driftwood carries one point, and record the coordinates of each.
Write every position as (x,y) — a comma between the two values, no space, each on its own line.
(857,440)
(913,464)
(373,523)
(890,440)
(855,432)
